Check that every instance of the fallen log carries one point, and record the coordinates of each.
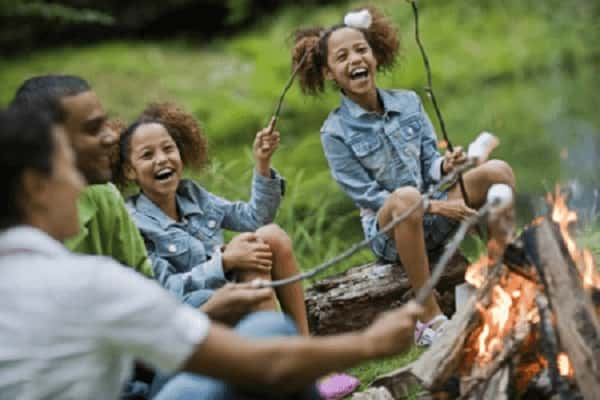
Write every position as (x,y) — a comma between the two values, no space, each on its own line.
(351,300)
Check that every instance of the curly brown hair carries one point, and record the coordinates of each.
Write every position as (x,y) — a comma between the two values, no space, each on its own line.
(382,36)
(181,125)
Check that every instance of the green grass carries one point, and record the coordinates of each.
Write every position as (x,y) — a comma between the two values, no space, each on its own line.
(524,69)
(368,371)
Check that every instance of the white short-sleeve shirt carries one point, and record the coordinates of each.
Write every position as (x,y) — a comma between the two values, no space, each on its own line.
(71,325)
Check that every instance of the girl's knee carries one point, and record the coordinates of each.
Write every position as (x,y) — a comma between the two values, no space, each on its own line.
(275,237)
(405,198)
(498,171)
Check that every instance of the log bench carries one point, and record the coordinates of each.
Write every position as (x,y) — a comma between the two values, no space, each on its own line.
(351,300)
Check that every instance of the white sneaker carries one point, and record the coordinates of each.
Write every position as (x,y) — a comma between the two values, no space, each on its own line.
(425,334)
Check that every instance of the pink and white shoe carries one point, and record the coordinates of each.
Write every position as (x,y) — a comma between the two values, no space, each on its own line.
(337,386)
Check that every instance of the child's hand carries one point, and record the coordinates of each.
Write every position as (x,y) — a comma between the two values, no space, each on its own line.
(453,209)
(247,252)
(265,144)
(453,159)
(232,302)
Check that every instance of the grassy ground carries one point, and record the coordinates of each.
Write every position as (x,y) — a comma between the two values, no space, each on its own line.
(525,70)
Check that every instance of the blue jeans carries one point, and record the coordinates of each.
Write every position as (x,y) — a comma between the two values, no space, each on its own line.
(257,325)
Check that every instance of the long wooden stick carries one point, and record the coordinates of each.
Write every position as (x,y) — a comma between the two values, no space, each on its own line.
(431,94)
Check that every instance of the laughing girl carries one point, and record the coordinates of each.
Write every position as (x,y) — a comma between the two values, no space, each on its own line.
(182,223)
(382,150)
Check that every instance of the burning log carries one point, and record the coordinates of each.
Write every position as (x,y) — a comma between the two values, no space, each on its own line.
(496,387)
(576,320)
(507,338)
(479,380)
(351,300)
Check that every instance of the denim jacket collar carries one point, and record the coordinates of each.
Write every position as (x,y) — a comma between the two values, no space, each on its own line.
(390,104)
(186,208)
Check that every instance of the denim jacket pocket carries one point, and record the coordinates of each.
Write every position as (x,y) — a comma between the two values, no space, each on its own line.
(210,225)
(172,245)
(364,146)
(411,128)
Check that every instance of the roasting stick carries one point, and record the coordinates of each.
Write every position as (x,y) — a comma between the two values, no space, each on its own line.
(478,152)
(287,87)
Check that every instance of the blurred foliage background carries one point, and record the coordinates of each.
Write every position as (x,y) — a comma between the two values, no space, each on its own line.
(523,69)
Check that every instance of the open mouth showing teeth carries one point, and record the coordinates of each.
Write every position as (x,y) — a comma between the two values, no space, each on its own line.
(359,73)
(164,174)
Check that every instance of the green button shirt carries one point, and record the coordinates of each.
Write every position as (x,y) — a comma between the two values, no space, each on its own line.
(107,229)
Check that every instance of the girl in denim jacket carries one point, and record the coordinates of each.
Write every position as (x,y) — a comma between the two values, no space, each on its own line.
(382,149)
(182,223)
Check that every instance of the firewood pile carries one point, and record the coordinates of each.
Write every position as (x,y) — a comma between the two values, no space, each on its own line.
(531,330)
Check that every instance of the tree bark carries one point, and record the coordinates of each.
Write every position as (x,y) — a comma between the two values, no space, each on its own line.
(351,300)
(576,321)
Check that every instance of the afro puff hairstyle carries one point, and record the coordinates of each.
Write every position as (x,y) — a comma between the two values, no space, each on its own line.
(381,35)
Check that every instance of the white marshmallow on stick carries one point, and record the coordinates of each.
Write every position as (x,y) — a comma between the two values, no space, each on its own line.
(481,148)
(500,196)
(358,19)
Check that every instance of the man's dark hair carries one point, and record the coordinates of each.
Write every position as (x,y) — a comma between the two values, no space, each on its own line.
(44,93)
(26,143)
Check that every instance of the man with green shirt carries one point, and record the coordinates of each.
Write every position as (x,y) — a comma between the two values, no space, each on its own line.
(105,226)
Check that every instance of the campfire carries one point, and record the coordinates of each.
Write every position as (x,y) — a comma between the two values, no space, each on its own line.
(530,330)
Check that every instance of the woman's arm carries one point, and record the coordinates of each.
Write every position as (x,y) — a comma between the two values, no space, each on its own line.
(291,363)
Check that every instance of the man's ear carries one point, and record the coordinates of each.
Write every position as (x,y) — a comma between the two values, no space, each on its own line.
(129,173)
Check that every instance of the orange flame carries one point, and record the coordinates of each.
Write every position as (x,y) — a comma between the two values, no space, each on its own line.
(501,308)
(512,300)
(476,272)
(564,365)
(563,217)
(591,279)
(583,259)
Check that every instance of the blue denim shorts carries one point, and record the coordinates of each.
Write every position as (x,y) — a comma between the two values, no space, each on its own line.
(437,230)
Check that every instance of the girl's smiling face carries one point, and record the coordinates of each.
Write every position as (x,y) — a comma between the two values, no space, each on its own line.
(350,62)
(154,161)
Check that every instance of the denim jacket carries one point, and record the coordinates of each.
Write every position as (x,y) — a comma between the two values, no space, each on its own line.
(186,255)
(371,155)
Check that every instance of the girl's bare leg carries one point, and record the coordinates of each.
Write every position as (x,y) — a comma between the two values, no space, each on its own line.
(478,181)
(291,297)
(410,242)
(249,276)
